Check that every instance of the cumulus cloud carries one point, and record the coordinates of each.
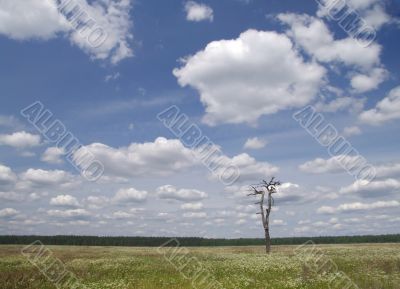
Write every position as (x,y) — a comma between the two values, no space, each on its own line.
(130,195)
(385,110)
(64,201)
(366,82)
(162,157)
(192,206)
(170,192)
(111,18)
(12,196)
(313,35)
(46,177)
(198,12)
(53,155)
(118,215)
(195,215)
(353,207)
(255,143)
(256,74)
(70,214)
(165,157)
(372,11)
(340,104)
(20,140)
(8,213)
(351,131)
(18,22)
(249,168)
(277,222)
(7,176)
(97,202)
(331,165)
(388,170)
(377,188)
(287,193)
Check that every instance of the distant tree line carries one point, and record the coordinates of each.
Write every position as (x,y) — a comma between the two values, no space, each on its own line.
(189,242)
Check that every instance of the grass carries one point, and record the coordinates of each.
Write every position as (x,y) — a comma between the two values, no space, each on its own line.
(372,266)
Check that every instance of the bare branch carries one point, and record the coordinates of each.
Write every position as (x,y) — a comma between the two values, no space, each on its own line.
(266,188)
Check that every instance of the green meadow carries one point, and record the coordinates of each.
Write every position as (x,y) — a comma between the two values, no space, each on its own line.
(372,266)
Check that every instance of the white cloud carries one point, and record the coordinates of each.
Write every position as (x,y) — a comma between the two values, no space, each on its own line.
(377,16)
(388,170)
(341,103)
(12,196)
(289,193)
(46,177)
(20,140)
(195,215)
(170,192)
(69,214)
(258,73)
(122,215)
(366,82)
(7,176)
(303,222)
(376,188)
(351,131)
(165,157)
(249,168)
(113,76)
(192,206)
(18,22)
(351,207)
(314,37)
(255,143)
(198,12)
(246,209)
(331,165)
(241,222)
(27,154)
(64,201)
(159,158)
(97,202)
(53,155)
(8,213)
(112,17)
(130,195)
(385,110)
(372,11)
(278,222)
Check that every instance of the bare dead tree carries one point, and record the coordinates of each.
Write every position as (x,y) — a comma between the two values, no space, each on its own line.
(263,189)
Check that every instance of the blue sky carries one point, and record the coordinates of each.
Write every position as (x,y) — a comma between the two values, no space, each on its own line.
(239,70)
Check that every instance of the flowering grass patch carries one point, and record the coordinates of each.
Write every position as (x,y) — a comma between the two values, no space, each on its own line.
(373,266)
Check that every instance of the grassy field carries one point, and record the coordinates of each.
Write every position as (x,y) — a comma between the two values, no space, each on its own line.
(374,266)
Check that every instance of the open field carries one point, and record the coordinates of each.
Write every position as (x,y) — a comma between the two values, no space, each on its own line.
(372,266)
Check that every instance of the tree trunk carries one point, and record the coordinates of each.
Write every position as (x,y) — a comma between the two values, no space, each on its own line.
(267,241)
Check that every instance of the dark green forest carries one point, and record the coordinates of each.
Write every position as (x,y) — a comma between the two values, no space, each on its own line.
(188,242)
